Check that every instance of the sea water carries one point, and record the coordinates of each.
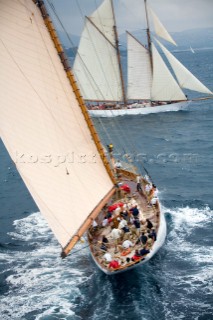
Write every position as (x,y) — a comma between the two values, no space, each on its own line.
(176,149)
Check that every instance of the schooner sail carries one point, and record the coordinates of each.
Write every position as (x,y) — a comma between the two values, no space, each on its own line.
(42,125)
(102,82)
(149,81)
(46,129)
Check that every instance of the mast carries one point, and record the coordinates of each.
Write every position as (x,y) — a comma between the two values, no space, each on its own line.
(119,56)
(148,34)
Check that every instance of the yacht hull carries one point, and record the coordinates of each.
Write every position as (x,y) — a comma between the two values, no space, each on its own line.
(162,231)
(159,222)
(139,110)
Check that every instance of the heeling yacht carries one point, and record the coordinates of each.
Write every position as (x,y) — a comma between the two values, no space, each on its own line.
(54,145)
(150,88)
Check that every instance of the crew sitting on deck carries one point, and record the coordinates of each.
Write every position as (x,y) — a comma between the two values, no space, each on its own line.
(118,164)
(127,244)
(148,187)
(114,264)
(149,224)
(134,211)
(137,256)
(122,223)
(108,257)
(116,235)
(123,226)
(153,234)
(124,214)
(144,251)
(105,222)
(153,194)
(137,226)
(142,239)
(110,147)
(126,247)
(138,180)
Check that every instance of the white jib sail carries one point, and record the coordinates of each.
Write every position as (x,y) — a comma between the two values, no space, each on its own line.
(42,125)
(164,86)
(96,64)
(160,29)
(139,70)
(185,78)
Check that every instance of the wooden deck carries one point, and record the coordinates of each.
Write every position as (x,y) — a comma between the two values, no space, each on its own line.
(115,247)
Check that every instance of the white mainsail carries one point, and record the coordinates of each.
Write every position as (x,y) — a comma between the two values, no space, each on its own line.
(139,72)
(99,82)
(164,86)
(160,29)
(42,125)
(185,78)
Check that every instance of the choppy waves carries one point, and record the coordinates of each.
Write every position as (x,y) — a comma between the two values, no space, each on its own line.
(39,285)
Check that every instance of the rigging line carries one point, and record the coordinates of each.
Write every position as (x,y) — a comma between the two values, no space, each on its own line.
(98,58)
(118,124)
(140,162)
(64,90)
(117,133)
(61,24)
(100,121)
(108,45)
(102,70)
(86,136)
(87,74)
(83,183)
(76,251)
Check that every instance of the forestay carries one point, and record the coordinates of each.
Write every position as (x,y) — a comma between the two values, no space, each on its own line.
(42,125)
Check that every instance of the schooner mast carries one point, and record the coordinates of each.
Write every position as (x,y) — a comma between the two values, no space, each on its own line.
(119,57)
(148,35)
(99,44)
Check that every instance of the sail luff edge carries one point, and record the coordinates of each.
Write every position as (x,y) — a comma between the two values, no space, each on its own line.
(74,86)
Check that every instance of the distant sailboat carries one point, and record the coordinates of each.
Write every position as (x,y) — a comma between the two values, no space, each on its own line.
(46,129)
(150,84)
(192,50)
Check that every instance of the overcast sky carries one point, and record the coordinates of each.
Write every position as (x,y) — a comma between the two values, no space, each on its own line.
(176,15)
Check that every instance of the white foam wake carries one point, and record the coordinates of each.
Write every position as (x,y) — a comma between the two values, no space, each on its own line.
(40,281)
(190,243)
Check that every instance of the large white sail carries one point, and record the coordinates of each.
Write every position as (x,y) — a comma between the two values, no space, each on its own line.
(185,78)
(139,70)
(96,64)
(42,125)
(160,29)
(164,86)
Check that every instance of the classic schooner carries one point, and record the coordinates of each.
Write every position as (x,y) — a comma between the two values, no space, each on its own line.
(52,141)
(150,86)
